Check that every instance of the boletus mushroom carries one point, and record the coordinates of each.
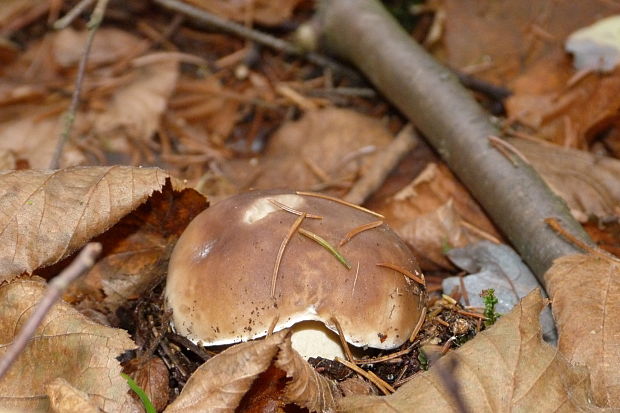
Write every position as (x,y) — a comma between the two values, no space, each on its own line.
(263,261)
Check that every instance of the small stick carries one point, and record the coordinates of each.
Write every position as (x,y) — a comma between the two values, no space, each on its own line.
(285,241)
(387,386)
(442,322)
(257,36)
(463,289)
(557,227)
(68,18)
(357,272)
(481,233)
(292,210)
(510,147)
(470,314)
(84,261)
(382,385)
(385,358)
(340,201)
(343,342)
(403,271)
(273,324)
(418,326)
(359,229)
(322,242)
(95,21)
(316,170)
(383,164)
(446,346)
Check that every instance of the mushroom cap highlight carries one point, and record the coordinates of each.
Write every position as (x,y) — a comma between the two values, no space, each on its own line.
(221,270)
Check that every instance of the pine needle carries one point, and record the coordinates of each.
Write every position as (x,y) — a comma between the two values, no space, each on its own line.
(285,241)
(323,243)
(340,201)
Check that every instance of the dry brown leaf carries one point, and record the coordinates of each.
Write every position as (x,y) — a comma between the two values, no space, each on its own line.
(588,183)
(136,251)
(221,383)
(134,110)
(499,39)
(430,235)
(506,368)
(46,215)
(64,398)
(65,345)
(429,213)
(307,388)
(267,12)
(568,116)
(585,290)
(330,141)
(152,376)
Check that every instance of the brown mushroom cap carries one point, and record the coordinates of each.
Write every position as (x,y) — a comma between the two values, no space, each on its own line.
(220,273)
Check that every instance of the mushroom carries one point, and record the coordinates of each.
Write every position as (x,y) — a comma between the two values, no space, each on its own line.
(263,261)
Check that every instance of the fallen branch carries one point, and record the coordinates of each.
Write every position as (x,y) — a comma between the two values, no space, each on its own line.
(261,38)
(84,261)
(515,197)
(383,164)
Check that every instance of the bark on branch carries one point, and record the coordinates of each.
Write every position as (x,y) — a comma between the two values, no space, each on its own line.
(511,192)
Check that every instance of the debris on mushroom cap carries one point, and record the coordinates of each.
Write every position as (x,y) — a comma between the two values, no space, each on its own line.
(233,255)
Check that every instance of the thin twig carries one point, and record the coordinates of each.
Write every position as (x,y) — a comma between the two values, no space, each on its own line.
(93,24)
(258,37)
(381,385)
(419,325)
(343,342)
(68,18)
(329,247)
(84,261)
(383,164)
(385,358)
(404,271)
(285,241)
(359,229)
(560,230)
(292,210)
(340,201)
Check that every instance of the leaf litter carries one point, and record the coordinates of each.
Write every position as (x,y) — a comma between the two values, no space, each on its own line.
(192,121)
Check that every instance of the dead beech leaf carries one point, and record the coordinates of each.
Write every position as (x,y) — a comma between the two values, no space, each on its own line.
(134,110)
(152,376)
(136,251)
(307,388)
(221,383)
(585,291)
(588,183)
(67,399)
(337,143)
(65,345)
(506,368)
(46,215)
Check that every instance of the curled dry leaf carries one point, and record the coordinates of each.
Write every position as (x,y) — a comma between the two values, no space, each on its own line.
(588,183)
(65,345)
(586,304)
(221,383)
(136,251)
(46,215)
(307,388)
(505,368)
(67,399)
